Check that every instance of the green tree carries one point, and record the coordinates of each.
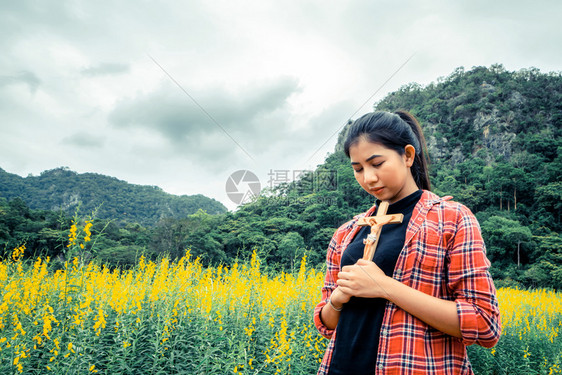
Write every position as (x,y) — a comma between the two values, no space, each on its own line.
(291,249)
(547,270)
(504,238)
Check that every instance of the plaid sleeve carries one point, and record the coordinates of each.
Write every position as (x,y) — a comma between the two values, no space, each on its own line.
(333,259)
(471,283)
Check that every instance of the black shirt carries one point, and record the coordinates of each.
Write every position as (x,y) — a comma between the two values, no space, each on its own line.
(358,329)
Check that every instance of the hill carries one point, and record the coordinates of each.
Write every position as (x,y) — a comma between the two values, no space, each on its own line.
(495,139)
(62,189)
(495,143)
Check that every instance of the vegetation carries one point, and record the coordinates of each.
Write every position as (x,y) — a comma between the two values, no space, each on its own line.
(63,190)
(178,317)
(494,139)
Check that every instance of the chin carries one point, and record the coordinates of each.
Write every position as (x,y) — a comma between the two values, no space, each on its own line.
(380,197)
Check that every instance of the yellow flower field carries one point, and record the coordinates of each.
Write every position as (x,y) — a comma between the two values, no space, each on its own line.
(178,317)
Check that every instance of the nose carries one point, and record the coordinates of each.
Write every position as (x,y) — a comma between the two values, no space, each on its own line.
(370,176)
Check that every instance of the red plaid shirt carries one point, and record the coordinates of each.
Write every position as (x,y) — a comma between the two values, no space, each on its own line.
(444,256)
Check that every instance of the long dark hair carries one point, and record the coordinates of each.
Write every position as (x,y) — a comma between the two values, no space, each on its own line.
(395,131)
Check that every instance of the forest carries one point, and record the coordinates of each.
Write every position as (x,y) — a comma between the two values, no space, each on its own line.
(494,140)
(61,189)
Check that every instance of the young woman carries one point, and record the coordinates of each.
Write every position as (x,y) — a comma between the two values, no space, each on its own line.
(427,294)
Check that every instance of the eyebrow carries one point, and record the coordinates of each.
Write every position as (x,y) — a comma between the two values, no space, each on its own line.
(368,159)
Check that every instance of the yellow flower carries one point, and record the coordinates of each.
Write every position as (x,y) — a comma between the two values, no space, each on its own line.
(18,252)
(87,230)
(100,322)
(73,234)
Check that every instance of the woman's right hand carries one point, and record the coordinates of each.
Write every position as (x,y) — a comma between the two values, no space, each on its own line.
(329,315)
(339,298)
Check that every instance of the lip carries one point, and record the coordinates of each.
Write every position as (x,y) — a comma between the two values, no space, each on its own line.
(377,190)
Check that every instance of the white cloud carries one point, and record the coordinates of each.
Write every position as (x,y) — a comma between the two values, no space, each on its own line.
(106,69)
(78,86)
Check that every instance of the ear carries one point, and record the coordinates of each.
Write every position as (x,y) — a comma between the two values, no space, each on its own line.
(409,155)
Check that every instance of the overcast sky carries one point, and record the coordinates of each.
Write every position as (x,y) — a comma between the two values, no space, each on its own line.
(181,94)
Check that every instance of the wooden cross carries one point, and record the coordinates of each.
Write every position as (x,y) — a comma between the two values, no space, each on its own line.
(376,223)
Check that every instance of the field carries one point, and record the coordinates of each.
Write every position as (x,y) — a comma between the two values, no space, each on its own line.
(178,317)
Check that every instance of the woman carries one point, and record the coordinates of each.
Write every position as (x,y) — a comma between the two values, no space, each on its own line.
(427,294)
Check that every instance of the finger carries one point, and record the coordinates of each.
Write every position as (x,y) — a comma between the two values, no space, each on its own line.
(346,268)
(345,290)
(363,262)
(342,291)
(345,274)
(346,285)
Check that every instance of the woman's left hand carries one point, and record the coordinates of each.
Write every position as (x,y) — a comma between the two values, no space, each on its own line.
(363,279)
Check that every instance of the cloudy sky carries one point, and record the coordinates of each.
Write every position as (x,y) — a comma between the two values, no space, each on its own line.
(181,94)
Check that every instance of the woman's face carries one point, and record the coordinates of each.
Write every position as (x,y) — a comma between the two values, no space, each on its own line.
(383,172)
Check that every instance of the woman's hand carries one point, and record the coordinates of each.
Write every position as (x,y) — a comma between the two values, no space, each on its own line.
(366,279)
(339,298)
(329,315)
(363,279)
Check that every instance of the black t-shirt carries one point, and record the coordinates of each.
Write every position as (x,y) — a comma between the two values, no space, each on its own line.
(358,330)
